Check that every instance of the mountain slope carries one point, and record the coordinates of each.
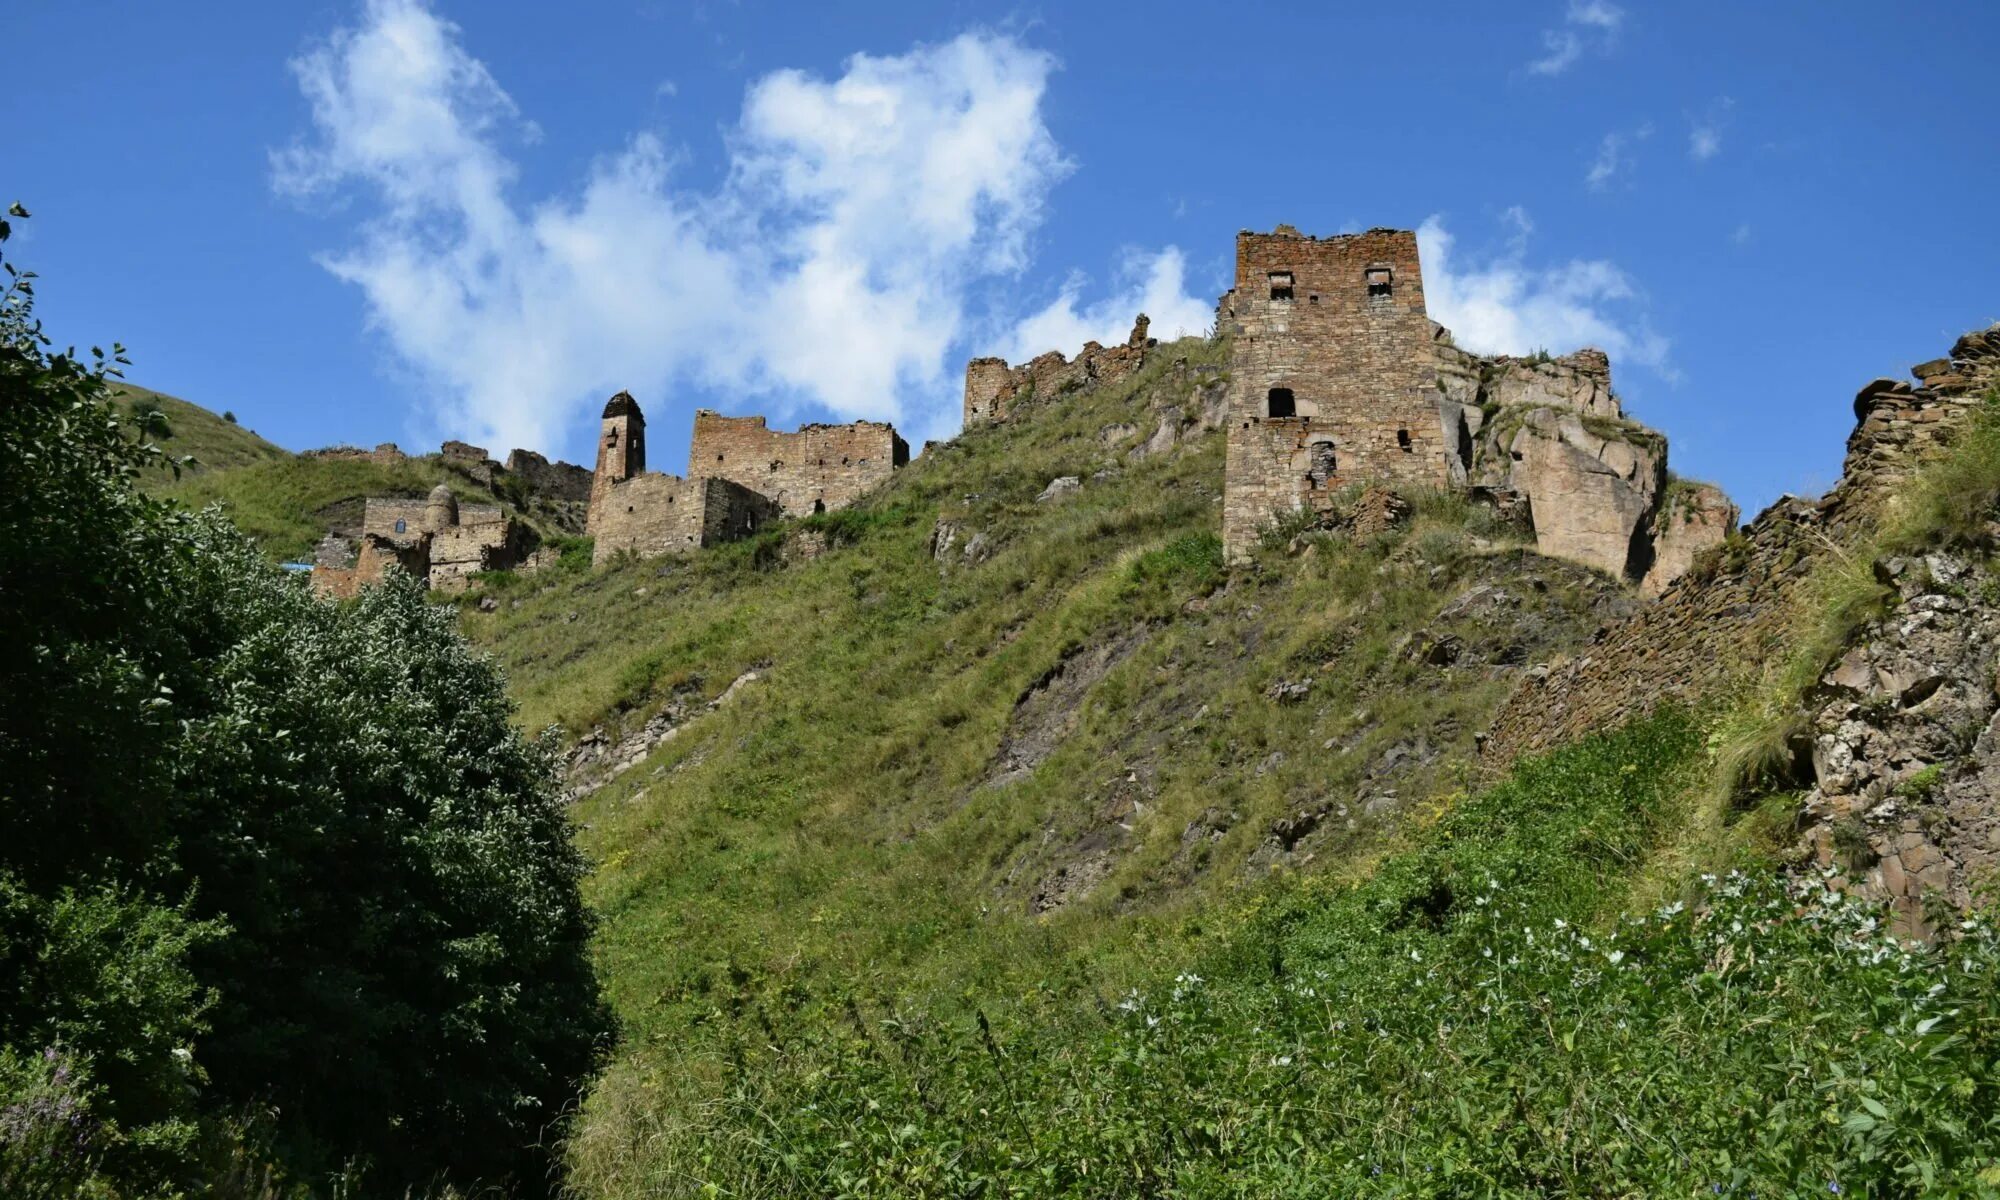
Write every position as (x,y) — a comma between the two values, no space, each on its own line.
(215,443)
(896,768)
(1077,866)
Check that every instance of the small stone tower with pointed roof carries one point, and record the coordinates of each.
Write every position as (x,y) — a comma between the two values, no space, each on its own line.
(621,447)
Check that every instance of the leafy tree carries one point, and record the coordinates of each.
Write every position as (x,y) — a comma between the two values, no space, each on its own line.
(258,851)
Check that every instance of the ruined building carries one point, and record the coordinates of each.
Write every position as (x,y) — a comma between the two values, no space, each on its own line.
(435,539)
(741,477)
(993,389)
(818,469)
(1338,376)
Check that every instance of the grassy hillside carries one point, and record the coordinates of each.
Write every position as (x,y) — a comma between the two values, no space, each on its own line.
(288,504)
(1001,780)
(215,443)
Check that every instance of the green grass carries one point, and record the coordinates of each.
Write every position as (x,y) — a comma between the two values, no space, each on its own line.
(844,830)
(1476,1018)
(287,504)
(214,443)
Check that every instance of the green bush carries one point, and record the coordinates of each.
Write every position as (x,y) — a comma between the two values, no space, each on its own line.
(258,851)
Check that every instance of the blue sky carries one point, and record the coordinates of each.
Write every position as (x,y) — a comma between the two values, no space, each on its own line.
(389,220)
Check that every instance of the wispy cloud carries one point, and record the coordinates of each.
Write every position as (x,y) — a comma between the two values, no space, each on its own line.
(1615,160)
(1705,129)
(1588,24)
(1504,304)
(838,265)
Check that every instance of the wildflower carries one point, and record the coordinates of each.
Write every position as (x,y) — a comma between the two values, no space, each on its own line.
(1282,1060)
(1615,957)
(1833,1185)
(1486,952)
(1152,1021)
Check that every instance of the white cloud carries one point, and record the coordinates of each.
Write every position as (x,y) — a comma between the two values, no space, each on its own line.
(1608,161)
(1563,49)
(1503,305)
(1615,160)
(1705,130)
(1587,23)
(1155,285)
(834,265)
(1596,14)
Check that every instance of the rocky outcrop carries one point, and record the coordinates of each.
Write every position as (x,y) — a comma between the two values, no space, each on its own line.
(1591,494)
(1732,609)
(1580,382)
(1693,518)
(1906,743)
(1548,434)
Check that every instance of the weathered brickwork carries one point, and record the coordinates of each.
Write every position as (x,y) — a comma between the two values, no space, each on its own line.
(621,451)
(817,469)
(653,514)
(1332,376)
(436,539)
(742,475)
(993,389)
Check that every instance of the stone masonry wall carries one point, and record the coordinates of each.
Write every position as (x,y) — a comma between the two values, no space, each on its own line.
(1333,378)
(993,389)
(817,469)
(655,514)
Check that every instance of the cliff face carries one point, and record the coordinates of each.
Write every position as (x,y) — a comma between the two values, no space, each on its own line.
(1732,612)
(1549,435)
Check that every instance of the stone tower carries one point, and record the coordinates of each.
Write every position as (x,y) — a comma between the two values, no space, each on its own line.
(1333,379)
(441,510)
(621,448)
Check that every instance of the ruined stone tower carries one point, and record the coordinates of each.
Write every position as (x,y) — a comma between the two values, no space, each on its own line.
(441,510)
(621,449)
(1332,376)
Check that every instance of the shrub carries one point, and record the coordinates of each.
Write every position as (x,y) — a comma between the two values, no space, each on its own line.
(257,849)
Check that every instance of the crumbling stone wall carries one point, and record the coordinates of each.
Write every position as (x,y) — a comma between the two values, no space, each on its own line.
(1906,744)
(1332,375)
(436,539)
(653,514)
(993,389)
(817,469)
(385,455)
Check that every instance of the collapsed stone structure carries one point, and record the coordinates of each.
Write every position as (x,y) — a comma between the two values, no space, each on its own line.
(1338,376)
(742,475)
(435,539)
(993,389)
